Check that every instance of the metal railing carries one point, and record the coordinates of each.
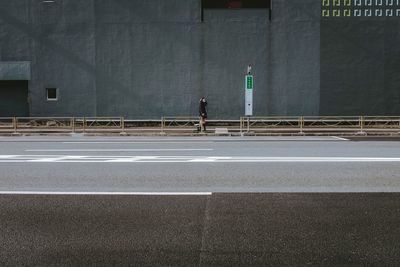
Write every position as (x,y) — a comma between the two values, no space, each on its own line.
(182,122)
(187,124)
(331,123)
(96,123)
(7,123)
(190,123)
(60,124)
(381,122)
(254,123)
(48,124)
(360,124)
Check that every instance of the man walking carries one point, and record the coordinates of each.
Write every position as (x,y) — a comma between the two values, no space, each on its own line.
(203,113)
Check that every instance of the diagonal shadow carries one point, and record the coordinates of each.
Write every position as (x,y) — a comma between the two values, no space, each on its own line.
(66,54)
(176,38)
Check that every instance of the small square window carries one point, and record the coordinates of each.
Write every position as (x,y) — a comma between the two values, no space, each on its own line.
(52,94)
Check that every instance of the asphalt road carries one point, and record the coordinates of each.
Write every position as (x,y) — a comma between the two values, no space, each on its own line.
(218,230)
(298,164)
(147,201)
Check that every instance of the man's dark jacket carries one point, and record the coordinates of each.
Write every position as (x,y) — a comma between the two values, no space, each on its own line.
(202,109)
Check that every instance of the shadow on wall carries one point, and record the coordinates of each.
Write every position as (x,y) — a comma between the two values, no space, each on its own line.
(66,54)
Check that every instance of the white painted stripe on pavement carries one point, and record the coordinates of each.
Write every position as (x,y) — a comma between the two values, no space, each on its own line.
(132,159)
(106,193)
(7,156)
(141,142)
(120,150)
(340,138)
(181,159)
(58,158)
(210,159)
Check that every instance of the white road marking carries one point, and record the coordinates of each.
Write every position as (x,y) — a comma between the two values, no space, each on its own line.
(140,142)
(132,159)
(7,156)
(180,159)
(120,150)
(209,159)
(340,138)
(106,193)
(53,159)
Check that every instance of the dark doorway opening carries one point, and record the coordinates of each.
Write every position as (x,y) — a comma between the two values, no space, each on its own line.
(14,99)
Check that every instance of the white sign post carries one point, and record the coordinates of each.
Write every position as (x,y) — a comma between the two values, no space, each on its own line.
(249,83)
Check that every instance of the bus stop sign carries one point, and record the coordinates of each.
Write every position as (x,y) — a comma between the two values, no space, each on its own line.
(249,84)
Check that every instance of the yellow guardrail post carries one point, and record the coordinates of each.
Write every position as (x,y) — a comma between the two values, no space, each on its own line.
(361,125)
(241,125)
(248,124)
(301,124)
(122,122)
(73,124)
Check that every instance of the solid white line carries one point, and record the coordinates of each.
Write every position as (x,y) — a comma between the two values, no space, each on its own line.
(132,159)
(49,159)
(185,159)
(141,142)
(340,138)
(106,193)
(119,150)
(8,156)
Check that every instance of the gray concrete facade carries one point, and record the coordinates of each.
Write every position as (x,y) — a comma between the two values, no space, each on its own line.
(15,71)
(147,59)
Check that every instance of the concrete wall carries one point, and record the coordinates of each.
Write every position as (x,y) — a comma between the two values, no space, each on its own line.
(58,39)
(295,65)
(360,67)
(144,59)
(160,58)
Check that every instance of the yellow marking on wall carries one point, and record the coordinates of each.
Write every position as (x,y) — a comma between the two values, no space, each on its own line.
(347,13)
(336,13)
(325,13)
(325,2)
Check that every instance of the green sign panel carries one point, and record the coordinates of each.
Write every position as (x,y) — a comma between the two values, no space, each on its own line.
(249,82)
